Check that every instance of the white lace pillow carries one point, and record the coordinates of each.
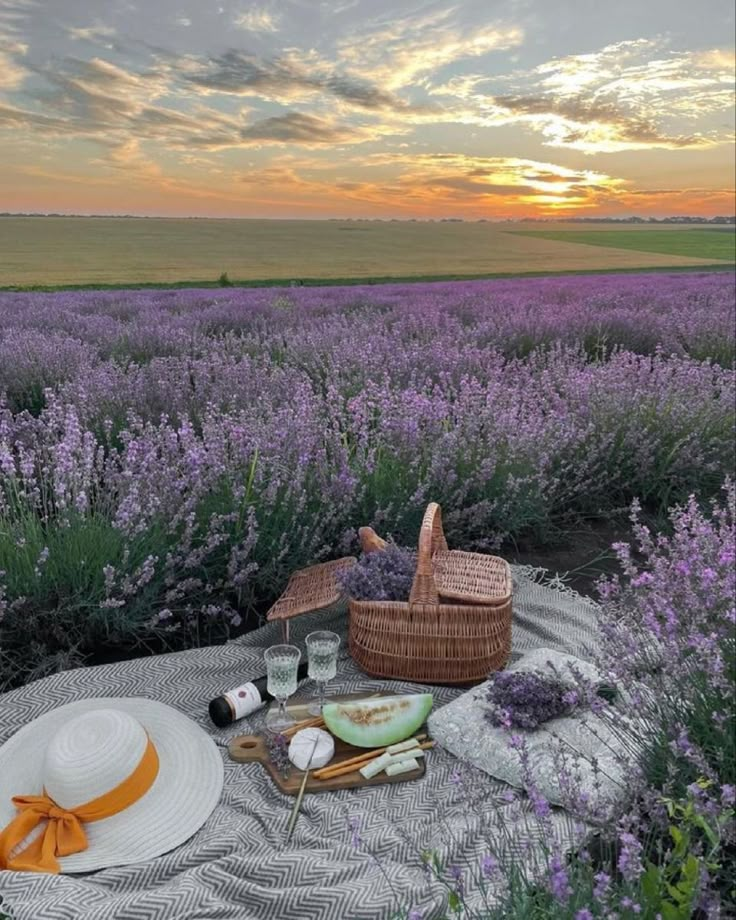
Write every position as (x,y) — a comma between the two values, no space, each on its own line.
(580,751)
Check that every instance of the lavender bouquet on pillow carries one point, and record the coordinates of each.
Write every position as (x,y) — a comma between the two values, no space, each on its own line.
(527,699)
(384,575)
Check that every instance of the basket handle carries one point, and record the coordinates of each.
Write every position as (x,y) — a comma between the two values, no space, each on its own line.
(370,542)
(431,541)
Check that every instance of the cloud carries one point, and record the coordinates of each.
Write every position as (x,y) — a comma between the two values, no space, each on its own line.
(95,99)
(280,175)
(297,127)
(114,123)
(722,60)
(257,19)
(432,183)
(12,71)
(428,183)
(12,117)
(573,73)
(361,93)
(695,200)
(397,52)
(635,71)
(94,96)
(626,96)
(94,33)
(289,79)
(13,15)
(545,176)
(341,6)
(585,125)
(129,157)
(239,73)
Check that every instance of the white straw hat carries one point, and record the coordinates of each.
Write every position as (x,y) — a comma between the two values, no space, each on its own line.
(79,752)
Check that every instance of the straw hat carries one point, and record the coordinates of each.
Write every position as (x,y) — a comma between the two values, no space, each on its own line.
(134,777)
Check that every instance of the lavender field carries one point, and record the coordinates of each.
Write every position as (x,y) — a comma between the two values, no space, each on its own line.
(167,458)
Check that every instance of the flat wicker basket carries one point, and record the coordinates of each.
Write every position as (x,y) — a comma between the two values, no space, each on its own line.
(427,640)
(308,590)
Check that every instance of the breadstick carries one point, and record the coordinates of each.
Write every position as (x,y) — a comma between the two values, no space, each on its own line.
(346,766)
(315,722)
(359,760)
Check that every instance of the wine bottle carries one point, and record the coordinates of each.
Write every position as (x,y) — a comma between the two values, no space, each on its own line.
(243,700)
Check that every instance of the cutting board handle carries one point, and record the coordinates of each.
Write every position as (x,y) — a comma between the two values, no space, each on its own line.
(248,749)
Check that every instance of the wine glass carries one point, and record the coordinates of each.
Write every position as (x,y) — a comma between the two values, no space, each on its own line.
(282,662)
(322,651)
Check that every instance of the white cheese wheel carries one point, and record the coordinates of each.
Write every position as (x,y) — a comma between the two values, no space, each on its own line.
(302,745)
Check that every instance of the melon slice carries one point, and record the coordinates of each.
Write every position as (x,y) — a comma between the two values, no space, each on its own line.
(378,722)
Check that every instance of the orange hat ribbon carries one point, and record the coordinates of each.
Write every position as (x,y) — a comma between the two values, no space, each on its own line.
(64,834)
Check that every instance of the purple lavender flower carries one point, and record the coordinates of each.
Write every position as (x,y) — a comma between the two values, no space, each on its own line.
(456,874)
(456,777)
(602,885)
(527,699)
(583,914)
(354,827)
(558,880)
(629,857)
(384,575)
(539,803)
(278,751)
(489,866)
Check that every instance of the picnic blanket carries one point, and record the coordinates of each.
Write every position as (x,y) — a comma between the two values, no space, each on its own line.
(236,866)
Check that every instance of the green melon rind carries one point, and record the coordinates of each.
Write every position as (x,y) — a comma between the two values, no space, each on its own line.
(403,725)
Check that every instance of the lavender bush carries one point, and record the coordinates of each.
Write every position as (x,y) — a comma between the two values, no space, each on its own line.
(386,575)
(670,646)
(168,458)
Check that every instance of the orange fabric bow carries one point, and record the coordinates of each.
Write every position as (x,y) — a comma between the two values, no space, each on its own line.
(64,833)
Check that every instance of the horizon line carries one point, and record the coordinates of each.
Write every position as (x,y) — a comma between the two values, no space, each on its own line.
(468,220)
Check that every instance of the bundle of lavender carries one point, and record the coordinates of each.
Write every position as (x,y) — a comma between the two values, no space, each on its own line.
(381,576)
(527,699)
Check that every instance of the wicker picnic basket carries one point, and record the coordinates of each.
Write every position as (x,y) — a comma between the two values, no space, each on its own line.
(427,640)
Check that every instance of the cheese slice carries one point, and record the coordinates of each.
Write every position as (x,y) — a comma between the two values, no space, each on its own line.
(403,766)
(402,746)
(407,755)
(374,767)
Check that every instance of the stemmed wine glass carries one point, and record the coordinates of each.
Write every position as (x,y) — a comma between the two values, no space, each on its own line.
(322,652)
(282,662)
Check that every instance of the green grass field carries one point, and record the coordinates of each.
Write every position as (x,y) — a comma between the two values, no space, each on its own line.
(94,252)
(705,243)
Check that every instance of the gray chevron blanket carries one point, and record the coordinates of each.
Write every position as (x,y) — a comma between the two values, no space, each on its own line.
(355,854)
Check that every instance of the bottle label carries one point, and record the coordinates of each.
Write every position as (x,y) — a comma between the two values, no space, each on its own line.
(243,700)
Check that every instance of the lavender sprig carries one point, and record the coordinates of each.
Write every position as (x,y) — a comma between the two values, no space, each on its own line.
(278,751)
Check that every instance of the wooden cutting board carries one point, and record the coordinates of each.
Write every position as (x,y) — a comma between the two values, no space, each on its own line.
(252,749)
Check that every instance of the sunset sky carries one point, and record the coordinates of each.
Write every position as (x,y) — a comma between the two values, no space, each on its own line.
(367,108)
